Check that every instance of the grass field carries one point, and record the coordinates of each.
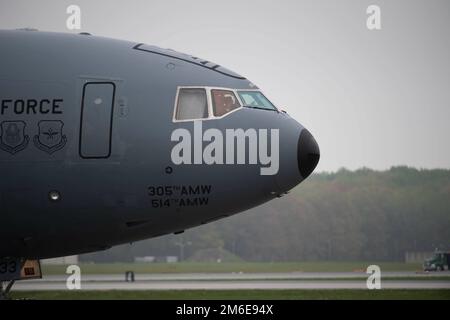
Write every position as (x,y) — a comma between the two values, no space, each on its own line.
(246,267)
(342,294)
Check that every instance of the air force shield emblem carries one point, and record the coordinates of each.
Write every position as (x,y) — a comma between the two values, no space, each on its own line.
(50,137)
(13,138)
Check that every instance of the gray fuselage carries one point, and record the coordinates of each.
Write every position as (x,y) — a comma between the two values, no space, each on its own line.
(74,181)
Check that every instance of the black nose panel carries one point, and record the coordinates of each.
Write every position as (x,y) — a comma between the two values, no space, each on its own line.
(308,153)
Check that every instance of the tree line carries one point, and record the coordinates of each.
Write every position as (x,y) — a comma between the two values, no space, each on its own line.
(344,215)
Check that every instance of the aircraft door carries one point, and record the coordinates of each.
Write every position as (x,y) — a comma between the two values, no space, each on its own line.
(97,108)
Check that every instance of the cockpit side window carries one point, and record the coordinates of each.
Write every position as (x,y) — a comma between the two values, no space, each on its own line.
(224,101)
(255,99)
(192,104)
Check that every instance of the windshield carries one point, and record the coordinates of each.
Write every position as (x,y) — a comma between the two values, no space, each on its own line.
(224,101)
(192,104)
(255,99)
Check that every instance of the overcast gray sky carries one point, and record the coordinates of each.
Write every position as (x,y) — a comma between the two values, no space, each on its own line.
(371,98)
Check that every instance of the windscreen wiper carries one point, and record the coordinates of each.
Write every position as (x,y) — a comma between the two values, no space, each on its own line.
(260,108)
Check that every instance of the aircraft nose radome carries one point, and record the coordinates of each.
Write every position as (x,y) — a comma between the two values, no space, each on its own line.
(308,153)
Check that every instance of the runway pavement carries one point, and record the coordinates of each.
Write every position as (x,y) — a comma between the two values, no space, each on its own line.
(232,281)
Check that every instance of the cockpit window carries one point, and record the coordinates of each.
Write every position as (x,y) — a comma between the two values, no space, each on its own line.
(224,101)
(208,103)
(192,104)
(255,99)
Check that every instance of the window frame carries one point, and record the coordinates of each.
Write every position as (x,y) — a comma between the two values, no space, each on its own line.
(210,115)
(249,107)
(209,101)
(212,102)
(175,109)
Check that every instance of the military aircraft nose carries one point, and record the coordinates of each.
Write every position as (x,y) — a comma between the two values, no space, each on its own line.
(308,153)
